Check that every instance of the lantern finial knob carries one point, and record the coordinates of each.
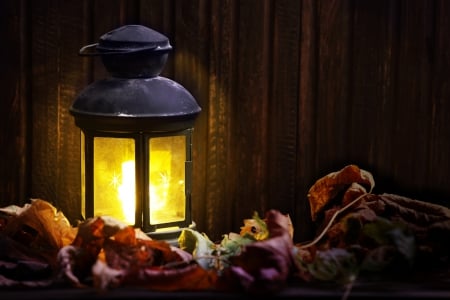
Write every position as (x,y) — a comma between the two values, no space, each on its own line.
(131,51)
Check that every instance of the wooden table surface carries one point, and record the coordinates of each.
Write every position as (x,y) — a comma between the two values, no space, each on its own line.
(427,289)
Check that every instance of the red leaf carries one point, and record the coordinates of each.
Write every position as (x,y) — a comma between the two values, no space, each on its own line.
(264,266)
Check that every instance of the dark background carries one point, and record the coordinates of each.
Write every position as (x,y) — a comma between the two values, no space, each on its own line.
(290,91)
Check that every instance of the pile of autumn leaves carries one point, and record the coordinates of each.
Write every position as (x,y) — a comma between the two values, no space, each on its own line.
(357,232)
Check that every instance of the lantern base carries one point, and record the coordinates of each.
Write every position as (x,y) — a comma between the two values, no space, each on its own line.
(170,235)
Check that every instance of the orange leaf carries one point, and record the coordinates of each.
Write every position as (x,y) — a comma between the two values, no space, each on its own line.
(328,187)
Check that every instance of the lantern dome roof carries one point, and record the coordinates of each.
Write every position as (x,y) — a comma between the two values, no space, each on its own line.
(135,97)
(155,103)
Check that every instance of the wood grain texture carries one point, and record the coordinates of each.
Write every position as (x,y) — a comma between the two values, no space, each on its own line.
(249,140)
(283,107)
(191,69)
(159,15)
(14,60)
(71,79)
(333,62)
(222,85)
(412,126)
(375,49)
(435,186)
(57,76)
(305,168)
(290,91)
(45,102)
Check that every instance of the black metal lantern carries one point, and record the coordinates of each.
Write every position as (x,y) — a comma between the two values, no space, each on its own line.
(136,129)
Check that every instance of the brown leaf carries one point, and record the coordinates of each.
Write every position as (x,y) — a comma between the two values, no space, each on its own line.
(127,260)
(151,264)
(328,187)
(353,191)
(429,222)
(138,254)
(39,225)
(21,263)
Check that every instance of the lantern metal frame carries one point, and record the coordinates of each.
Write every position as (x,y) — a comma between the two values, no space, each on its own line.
(136,103)
(143,208)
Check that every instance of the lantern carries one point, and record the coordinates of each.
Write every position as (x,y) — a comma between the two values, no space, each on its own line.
(136,136)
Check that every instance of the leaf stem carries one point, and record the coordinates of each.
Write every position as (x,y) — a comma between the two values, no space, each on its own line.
(319,237)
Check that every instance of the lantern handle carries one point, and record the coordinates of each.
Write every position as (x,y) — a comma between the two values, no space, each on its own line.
(84,51)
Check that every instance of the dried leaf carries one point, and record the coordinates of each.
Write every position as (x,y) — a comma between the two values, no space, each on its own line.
(39,225)
(186,277)
(255,227)
(151,264)
(140,254)
(7,282)
(105,277)
(198,244)
(353,191)
(328,187)
(335,264)
(264,266)
(379,258)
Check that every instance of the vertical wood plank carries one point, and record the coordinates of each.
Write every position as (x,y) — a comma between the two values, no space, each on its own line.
(223,48)
(307,147)
(249,143)
(107,15)
(57,75)
(436,187)
(14,176)
(332,115)
(411,127)
(191,70)
(159,15)
(374,50)
(45,96)
(72,77)
(283,108)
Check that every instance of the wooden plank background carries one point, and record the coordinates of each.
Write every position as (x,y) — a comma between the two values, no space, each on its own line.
(289,90)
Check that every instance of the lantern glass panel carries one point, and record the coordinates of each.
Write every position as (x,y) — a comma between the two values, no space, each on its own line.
(115,178)
(167,179)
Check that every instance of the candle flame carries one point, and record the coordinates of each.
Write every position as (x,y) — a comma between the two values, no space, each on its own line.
(127,191)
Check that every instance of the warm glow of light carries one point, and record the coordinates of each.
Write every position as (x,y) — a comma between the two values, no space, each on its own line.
(163,209)
(115,179)
(114,188)
(167,200)
(126,191)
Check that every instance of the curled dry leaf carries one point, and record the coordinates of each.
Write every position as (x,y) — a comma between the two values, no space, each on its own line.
(353,191)
(329,186)
(30,238)
(114,254)
(151,264)
(39,225)
(429,222)
(32,235)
